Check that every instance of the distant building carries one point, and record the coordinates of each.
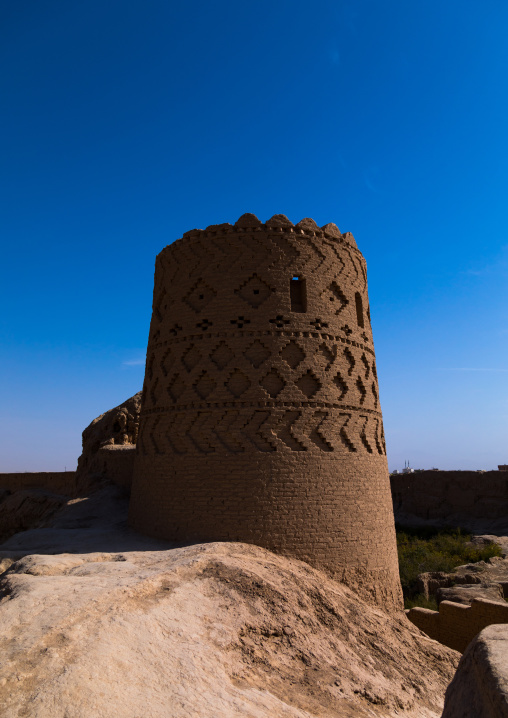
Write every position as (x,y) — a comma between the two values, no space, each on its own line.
(502,467)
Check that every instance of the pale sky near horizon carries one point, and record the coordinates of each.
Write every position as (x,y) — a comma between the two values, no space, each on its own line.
(126,123)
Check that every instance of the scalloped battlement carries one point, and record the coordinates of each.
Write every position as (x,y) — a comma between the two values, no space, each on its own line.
(279,222)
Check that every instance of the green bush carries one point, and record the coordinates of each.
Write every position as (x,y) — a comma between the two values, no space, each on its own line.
(422,602)
(427,549)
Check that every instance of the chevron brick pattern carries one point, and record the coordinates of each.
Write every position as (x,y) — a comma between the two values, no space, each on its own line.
(222,430)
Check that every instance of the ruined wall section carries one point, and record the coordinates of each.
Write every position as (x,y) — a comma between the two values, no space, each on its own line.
(58,482)
(455,625)
(260,415)
(474,500)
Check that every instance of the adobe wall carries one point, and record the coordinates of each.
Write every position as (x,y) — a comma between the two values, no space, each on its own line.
(115,463)
(260,418)
(455,625)
(58,482)
(471,499)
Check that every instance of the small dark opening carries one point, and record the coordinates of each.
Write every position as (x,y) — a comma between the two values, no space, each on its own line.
(298,294)
(359,309)
(256,291)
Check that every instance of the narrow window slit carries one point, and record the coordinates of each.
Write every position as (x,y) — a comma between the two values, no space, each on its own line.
(359,310)
(298,294)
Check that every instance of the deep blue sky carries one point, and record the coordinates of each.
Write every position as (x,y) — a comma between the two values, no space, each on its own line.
(124,123)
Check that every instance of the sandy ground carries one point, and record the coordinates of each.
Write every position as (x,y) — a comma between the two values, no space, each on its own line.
(99,621)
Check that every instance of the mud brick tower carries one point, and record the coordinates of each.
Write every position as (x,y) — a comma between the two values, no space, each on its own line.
(260,416)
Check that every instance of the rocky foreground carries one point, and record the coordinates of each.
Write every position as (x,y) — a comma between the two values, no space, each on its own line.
(131,628)
(480,686)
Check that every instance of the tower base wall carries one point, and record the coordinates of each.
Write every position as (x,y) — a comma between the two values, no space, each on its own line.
(349,532)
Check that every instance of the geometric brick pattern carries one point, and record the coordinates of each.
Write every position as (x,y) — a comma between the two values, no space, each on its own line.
(260,419)
(254,291)
(200,296)
(268,430)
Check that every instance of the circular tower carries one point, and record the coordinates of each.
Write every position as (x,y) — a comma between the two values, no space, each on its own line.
(260,417)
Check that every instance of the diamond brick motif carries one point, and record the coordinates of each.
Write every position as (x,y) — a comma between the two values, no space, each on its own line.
(199,296)
(341,385)
(176,387)
(159,305)
(366,364)
(324,357)
(350,359)
(279,321)
(254,291)
(174,330)
(191,358)
(165,362)
(308,384)
(293,354)
(204,385)
(222,355)
(337,296)
(238,383)
(240,322)
(154,394)
(361,388)
(257,353)
(273,383)
(204,325)
(319,324)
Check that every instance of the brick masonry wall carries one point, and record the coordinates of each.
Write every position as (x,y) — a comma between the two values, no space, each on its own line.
(464,496)
(455,625)
(260,417)
(116,463)
(58,482)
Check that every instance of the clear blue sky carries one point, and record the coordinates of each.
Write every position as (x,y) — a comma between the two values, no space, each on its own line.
(125,123)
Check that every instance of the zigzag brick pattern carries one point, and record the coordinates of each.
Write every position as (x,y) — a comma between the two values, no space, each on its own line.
(260,416)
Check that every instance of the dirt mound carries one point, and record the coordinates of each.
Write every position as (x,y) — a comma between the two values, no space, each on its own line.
(29,508)
(205,630)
